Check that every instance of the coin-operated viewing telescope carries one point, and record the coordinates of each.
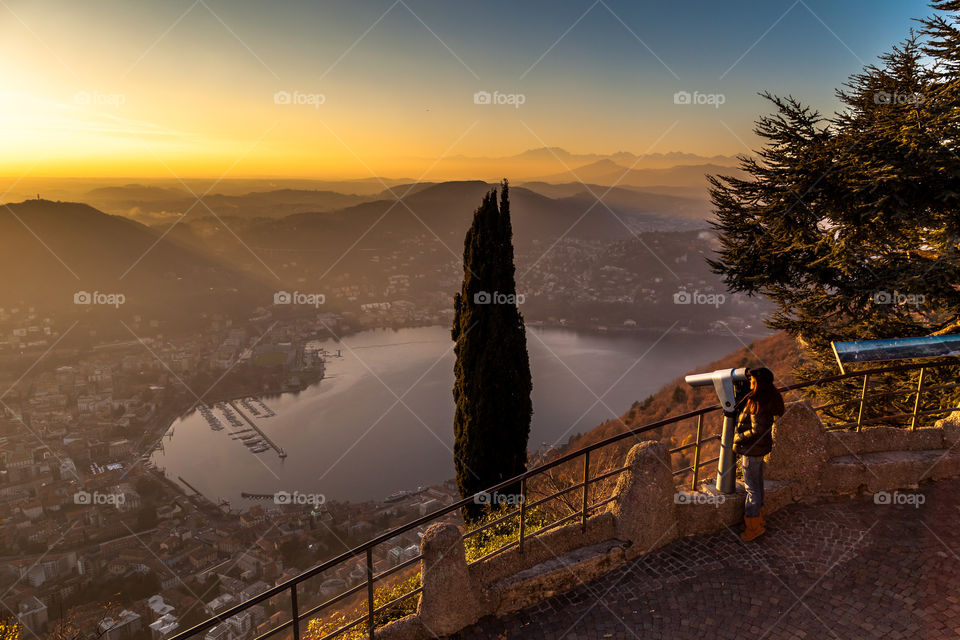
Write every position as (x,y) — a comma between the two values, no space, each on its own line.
(731,386)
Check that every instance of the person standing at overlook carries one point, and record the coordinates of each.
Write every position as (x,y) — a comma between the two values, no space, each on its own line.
(754,440)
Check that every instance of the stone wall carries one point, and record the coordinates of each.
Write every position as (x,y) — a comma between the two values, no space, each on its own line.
(649,511)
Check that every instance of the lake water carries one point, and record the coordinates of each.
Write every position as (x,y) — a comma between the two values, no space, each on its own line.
(381,420)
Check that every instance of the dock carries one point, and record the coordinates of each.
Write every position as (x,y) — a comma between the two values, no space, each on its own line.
(203,500)
(190,486)
(257,496)
(266,438)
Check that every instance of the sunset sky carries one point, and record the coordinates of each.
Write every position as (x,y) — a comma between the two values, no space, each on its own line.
(190,88)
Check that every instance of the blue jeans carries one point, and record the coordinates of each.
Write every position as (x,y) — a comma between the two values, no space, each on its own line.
(753,480)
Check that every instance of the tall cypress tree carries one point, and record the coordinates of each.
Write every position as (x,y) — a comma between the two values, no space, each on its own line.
(493,383)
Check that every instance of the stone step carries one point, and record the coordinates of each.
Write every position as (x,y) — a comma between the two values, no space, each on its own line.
(556,575)
(885,471)
(708,510)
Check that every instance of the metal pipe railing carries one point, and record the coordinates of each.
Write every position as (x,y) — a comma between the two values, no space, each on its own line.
(365,550)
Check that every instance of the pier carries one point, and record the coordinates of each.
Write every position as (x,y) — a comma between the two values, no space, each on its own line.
(257,496)
(266,438)
(190,486)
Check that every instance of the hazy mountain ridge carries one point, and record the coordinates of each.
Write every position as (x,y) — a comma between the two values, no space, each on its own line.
(59,248)
(241,254)
(445,209)
(608,172)
(151,204)
(533,162)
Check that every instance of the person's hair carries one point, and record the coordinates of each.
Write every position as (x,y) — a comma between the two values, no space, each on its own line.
(765,398)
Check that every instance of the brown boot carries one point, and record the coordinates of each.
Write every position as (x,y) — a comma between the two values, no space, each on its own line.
(753,528)
(763,523)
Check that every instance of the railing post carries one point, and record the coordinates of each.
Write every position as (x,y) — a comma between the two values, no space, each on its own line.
(696,453)
(450,599)
(523,511)
(863,393)
(916,402)
(296,612)
(370,591)
(586,479)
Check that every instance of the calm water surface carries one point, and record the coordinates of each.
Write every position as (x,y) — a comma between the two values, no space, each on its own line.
(382,418)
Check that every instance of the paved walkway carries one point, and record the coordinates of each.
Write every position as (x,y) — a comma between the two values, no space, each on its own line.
(842,569)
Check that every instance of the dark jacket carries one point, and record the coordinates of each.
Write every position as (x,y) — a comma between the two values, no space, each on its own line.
(754,434)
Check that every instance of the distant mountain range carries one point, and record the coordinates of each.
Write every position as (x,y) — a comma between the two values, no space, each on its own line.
(548,164)
(538,163)
(641,161)
(152,203)
(261,241)
(443,212)
(608,172)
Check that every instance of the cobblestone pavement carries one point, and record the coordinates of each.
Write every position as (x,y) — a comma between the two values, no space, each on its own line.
(842,569)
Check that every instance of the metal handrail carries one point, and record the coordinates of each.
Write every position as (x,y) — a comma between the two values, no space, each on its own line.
(365,550)
(882,394)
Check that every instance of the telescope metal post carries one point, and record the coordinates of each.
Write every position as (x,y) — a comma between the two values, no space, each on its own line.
(724,382)
(727,465)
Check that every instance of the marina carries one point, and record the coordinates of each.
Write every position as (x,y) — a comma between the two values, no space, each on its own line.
(210,417)
(265,443)
(251,436)
(251,409)
(229,414)
(265,411)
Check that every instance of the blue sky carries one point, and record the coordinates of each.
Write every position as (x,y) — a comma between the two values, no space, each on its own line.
(397,76)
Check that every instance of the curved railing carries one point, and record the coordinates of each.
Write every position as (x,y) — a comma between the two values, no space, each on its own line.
(581,489)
